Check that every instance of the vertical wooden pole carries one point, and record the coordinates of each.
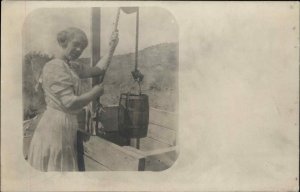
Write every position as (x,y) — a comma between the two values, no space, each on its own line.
(136,58)
(95,29)
(137,143)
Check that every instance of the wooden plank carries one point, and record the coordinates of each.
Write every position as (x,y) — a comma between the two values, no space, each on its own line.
(134,150)
(149,144)
(92,165)
(154,165)
(150,153)
(95,29)
(162,134)
(96,37)
(160,151)
(110,155)
(160,162)
(157,160)
(163,118)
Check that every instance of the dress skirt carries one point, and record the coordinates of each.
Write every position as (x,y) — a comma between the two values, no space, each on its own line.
(53,146)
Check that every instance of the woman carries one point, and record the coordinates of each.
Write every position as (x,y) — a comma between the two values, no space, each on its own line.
(53,146)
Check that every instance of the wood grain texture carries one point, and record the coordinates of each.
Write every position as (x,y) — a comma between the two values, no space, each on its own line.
(162,134)
(156,160)
(92,165)
(163,118)
(160,162)
(111,155)
(149,144)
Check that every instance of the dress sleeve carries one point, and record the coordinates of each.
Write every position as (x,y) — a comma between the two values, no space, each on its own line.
(86,71)
(60,82)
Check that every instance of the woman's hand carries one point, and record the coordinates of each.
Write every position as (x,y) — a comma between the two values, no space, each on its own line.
(104,62)
(114,40)
(99,89)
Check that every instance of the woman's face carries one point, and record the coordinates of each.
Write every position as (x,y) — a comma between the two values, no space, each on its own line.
(74,48)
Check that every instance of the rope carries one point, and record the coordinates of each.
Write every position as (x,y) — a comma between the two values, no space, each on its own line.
(137,40)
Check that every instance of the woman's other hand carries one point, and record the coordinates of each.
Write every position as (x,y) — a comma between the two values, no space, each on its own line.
(84,99)
(114,40)
(99,89)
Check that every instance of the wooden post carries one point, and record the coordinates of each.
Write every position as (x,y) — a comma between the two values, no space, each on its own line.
(138,143)
(95,29)
(136,59)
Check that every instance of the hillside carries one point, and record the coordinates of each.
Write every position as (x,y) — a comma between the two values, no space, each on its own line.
(158,63)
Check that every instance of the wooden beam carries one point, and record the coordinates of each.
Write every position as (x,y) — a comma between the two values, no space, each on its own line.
(151,153)
(92,165)
(160,162)
(149,144)
(157,160)
(160,151)
(95,29)
(134,150)
(111,155)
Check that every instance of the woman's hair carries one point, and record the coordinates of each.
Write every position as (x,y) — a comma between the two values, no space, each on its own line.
(65,36)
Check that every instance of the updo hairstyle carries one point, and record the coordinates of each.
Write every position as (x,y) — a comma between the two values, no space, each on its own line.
(65,36)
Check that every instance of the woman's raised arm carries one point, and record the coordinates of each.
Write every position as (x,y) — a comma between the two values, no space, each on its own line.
(104,62)
(98,70)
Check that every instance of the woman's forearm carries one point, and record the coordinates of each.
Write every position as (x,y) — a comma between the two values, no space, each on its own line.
(104,62)
(86,98)
(99,69)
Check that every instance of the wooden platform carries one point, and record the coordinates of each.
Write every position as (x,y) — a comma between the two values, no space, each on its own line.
(111,152)
(157,151)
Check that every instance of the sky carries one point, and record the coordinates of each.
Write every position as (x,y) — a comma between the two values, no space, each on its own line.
(156,26)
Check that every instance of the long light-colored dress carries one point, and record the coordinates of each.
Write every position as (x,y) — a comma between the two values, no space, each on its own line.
(53,146)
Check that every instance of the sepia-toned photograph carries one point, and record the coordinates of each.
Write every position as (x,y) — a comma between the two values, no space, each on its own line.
(165,96)
(100,89)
